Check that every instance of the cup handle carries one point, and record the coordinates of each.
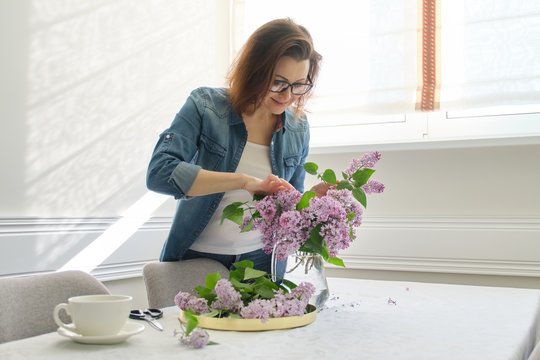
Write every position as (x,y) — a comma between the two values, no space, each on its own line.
(57,318)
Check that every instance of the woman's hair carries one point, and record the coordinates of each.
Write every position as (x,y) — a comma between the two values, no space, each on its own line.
(251,74)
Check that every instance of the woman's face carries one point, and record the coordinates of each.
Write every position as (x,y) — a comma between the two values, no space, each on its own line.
(291,71)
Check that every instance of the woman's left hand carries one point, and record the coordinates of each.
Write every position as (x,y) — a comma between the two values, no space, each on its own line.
(321,189)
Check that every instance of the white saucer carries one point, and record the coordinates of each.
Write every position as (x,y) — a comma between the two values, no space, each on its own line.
(128,330)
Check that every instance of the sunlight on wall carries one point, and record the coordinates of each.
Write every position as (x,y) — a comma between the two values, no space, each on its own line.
(104,78)
(107,243)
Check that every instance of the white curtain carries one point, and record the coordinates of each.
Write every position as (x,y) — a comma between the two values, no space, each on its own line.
(489,52)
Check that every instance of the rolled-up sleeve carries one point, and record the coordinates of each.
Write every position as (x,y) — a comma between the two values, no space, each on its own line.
(171,170)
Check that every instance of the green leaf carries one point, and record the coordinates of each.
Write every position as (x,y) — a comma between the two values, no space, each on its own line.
(344,184)
(329,177)
(351,215)
(314,243)
(206,293)
(362,176)
(324,253)
(305,199)
(212,279)
(264,292)
(248,227)
(265,281)
(289,284)
(211,314)
(253,273)
(335,261)
(191,322)
(257,197)
(360,195)
(243,264)
(236,275)
(241,286)
(311,168)
(233,212)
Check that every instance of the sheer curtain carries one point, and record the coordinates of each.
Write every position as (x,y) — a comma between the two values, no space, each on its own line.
(368,48)
(487,52)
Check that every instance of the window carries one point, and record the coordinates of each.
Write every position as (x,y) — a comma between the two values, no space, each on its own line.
(487,61)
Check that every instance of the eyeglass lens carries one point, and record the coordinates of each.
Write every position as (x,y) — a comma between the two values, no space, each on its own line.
(296,88)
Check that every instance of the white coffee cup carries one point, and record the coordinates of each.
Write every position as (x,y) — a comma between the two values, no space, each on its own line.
(95,315)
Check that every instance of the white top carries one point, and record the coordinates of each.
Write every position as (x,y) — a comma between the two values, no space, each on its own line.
(420,322)
(226,238)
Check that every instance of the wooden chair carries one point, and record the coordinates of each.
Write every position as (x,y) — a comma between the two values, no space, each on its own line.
(164,280)
(27,303)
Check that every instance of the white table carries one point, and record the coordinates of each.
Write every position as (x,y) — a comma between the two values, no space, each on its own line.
(364,319)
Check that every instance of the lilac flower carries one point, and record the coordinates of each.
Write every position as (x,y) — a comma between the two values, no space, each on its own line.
(373,187)
(227,297)
(368,160)
(303,291)
(294,307)
(197,339)
(187,301)
(257,309)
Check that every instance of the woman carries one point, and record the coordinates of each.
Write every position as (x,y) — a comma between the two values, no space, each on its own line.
(227,144)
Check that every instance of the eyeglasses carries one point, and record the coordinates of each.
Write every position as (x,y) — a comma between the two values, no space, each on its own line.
(280,86)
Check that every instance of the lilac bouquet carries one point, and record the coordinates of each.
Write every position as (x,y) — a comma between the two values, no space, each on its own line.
(247,294)
(293,222)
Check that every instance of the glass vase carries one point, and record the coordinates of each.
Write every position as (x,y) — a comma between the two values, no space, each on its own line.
(308,267)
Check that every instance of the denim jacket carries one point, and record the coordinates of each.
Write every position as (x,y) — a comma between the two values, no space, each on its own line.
(206,133)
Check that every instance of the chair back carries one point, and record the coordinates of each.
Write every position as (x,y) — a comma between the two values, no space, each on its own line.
(535,354)
(164,280)
(27,302)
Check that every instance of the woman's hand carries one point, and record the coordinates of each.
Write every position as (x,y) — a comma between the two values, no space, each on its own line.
(269,185)
(321,188)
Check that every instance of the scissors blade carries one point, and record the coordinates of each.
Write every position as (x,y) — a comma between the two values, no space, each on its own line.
(154,323)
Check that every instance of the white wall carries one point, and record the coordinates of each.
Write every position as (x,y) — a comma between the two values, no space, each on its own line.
(87,86)
(472,210)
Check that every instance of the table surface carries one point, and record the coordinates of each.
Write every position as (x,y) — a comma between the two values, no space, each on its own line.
(363,319)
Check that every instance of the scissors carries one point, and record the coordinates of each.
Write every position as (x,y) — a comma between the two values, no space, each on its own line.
(149,315)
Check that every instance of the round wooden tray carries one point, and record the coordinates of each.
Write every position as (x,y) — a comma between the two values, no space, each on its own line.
(230,324)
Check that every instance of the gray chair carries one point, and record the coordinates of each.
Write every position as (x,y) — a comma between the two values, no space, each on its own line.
(27,303)
(164,280)
(535,354)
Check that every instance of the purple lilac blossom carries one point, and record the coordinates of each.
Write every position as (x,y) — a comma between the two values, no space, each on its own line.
(281,223)
(197,339)
(294,307)
(187,301)
(257,309)
(290,304)
(373,187)
(331,215)
(304,291)
(368,160)
(227,297)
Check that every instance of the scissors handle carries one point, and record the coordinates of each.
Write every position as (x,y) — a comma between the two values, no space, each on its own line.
(148,316)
